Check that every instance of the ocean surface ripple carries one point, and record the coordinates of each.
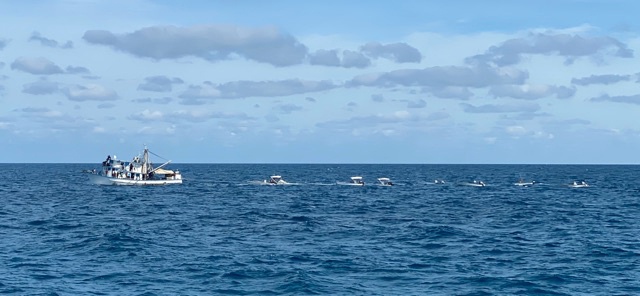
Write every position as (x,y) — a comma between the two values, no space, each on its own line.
(220,233)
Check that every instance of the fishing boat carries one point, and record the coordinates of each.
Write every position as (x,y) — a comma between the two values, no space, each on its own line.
(476,183)
(275,180)
(355,181)
(139,171)
(385,182)
(523,183)
(580,184)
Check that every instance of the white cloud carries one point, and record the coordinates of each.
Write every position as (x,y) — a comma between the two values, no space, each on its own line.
(147,115)
(212,42)
(398,52)
(441,77)
(501,108)
(570,46)
(159,83)
(532,92)
(90,92)
(36,66)
(633,99)
(41,87)
(516,130)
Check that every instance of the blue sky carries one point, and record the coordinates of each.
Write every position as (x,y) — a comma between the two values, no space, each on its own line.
(321,82)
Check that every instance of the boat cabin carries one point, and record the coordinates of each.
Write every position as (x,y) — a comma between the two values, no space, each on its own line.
(357,180)
(385,181)
(275,179)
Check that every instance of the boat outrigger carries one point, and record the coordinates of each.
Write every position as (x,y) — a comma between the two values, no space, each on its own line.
(139,171)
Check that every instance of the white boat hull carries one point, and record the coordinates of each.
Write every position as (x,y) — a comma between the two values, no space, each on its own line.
(275,184)
(103,180)
(349,184)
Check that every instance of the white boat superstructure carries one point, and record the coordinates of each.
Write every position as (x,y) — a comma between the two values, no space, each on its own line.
(476,183)
(385,182)
(275,180)
(524,183)
(357,180)
(139,171)
(580,184)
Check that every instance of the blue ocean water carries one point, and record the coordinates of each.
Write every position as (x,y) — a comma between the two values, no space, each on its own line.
(220,234)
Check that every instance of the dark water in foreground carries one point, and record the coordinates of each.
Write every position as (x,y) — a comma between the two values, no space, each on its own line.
(218,234)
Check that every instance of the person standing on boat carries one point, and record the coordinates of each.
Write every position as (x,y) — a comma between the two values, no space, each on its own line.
(106,161)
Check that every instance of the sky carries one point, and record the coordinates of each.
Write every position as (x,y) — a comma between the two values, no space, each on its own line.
(427,82)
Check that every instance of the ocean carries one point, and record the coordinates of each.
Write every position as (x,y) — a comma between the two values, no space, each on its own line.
(219,233)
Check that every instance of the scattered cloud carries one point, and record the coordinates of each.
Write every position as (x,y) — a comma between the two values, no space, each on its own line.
(77,70)
(90,92)
(439,115)
(212,43)
(526,116)
(147,115)
(182,116)
(397,52)
(288,108)
(34,109)
(440,77)
(532,92)
(518,131)
(417,104)
(449,92)
(162,101)
(5,125)
(244,89)
(106,105)
(271,118)
(398,122)
(159,83)
(501,108)
(43,114)
(36,66)
(353,59)
(635,99)
(35,36)
(368,121)
(600,79)
(570,46)
(41,87)
(377,98)
(574,121)
(196,92)
(325,58)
